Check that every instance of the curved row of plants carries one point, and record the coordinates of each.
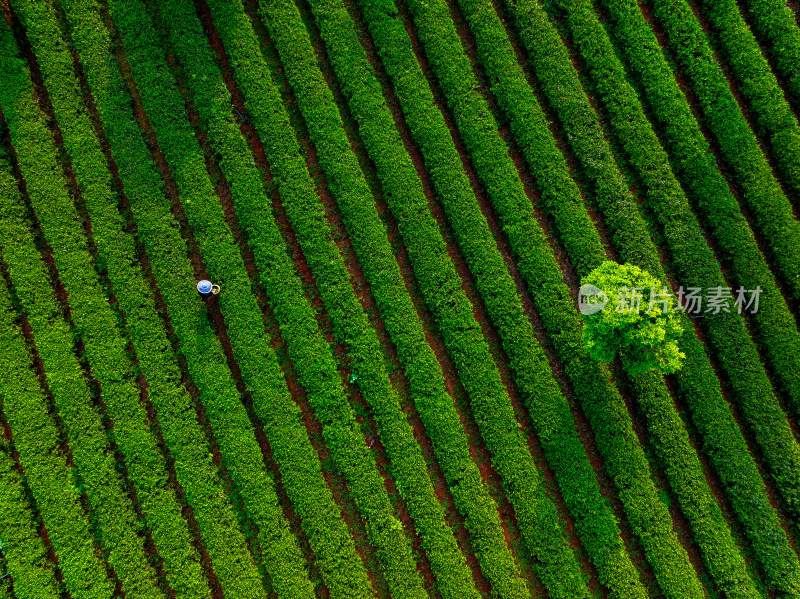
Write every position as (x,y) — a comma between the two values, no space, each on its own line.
(105,348)
(775,24)
(50,477)
(696,169)
(440,286)
(759,86)
(607,413)
(36,152)
(24,554)
(692,257)
(351,326)
(167,256)
(681,463)
(550,414)
(251,346)
(177,420)
(308,349)
(727,448)
(560,198)
(696,263)
(426,381)
(723,116)
(724,441)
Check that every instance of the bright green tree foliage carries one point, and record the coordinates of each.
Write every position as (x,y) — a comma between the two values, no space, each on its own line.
(638,324)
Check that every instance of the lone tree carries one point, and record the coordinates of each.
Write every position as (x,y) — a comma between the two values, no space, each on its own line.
(637,322)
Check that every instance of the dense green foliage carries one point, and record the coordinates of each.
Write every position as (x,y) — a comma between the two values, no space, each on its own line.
(539,389)
(36,440)
(426,381)
(723,115)
(723,439)
(393,395)
(23,548)
(603,404)
(776,25)
(638,324)
(93,320)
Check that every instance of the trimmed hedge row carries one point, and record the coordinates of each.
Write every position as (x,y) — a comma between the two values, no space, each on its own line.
(351,326)
(95,321)
(560,196)
(50,478)
(438,280)
(697,265)
(759,86)
(426,381)
(177,419)
(119,527)
(772,210)
(682,465)
(553,424)
(251,345)
(697,171)
(308,349)
(23,551)
(775,23)
(774,323)
(608,415)
(206,362)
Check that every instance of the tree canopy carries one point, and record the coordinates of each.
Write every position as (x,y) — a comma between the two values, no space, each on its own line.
(637,322)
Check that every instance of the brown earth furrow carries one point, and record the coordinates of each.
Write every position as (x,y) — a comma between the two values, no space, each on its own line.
(358,282)
(453,386)
(765,146)
(479,452)
(131,229)
(42,95)
(725,170)
(530,188)
(639,423)
(454,517)
(223,192)
(38,365)
(768,56)
(679,521)
(710,476)
(722,166)
(160,305)
(468,284)
(744,105)
(687,89)
(556,130)
(152,415)
(364,418)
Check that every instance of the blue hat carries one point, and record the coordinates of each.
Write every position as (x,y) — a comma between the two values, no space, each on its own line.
(204,286)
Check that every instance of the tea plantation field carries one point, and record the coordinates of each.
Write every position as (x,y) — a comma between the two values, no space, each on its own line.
(391,395)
